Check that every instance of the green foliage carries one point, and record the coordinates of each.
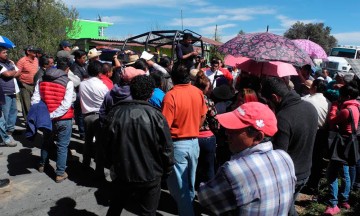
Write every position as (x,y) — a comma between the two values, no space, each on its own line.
(315,32)
(42,23)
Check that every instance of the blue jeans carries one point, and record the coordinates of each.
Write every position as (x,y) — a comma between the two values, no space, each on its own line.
(4,137)
(10,112)
(62,131)
(333,170)
(181,182)
(206,167)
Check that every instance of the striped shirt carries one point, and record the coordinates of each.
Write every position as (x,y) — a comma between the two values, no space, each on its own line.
(28,69)
(256,181)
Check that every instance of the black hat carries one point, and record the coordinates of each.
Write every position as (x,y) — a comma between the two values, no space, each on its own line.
(31,48)
(223,92)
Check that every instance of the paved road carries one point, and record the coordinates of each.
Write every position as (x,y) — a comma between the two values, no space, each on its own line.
(37,194)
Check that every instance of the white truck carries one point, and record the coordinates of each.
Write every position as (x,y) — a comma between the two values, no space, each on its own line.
(337,58)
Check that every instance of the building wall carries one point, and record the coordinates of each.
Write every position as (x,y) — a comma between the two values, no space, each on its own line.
(89,29)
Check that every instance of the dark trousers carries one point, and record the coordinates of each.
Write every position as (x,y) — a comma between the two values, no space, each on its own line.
(26,92)
(142,198)
(92,129)
(206,165)
(318,164)
(299,185)
(79,119)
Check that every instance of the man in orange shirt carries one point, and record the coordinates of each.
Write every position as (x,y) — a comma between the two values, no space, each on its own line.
(28,66)
(184,109)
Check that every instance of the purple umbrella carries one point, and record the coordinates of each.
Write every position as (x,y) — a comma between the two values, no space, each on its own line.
(313,49)
(266,47)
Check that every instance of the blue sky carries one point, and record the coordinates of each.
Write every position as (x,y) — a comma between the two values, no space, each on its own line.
(132,17)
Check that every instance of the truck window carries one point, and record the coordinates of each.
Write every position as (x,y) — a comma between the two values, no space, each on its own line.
(343,52)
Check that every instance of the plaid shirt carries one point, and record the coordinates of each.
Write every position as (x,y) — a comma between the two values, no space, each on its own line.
(256,181)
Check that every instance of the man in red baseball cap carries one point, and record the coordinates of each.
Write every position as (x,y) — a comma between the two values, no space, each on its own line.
(257,180)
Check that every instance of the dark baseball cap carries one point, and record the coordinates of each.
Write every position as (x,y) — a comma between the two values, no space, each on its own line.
(31,48)
(65,43)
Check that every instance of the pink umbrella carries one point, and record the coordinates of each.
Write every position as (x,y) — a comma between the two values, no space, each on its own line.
(271,68)
(313,49)
(233,61)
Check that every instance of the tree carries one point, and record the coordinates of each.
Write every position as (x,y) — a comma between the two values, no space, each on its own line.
(315,32)
(42,23)
(241,32)
(214,53)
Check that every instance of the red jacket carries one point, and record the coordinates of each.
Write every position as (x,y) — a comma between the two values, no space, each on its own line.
(341,119)
(53,94)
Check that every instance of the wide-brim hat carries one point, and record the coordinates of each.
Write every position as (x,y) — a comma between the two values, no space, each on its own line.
(93,53)
(251,114)
(132,59)
(223,92)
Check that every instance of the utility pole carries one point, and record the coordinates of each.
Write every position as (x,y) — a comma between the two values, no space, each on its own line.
(182,22)
(267,28)
(215,37)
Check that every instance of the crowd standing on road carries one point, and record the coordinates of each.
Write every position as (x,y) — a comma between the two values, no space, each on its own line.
(244,144)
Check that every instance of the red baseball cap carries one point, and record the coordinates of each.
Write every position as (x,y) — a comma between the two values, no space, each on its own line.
(254,114)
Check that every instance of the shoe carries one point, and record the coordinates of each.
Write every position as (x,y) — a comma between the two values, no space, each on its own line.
(61,177)
(4,183)
(345,205)
(332,210)
(41,168)
(11,143)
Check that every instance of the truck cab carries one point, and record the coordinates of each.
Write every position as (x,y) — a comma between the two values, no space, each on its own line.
(337,58)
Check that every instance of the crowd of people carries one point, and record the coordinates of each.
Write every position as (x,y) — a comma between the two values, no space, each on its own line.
(243,144)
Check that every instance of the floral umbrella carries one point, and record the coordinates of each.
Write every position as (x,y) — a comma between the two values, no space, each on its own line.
(266,47)
(313,49)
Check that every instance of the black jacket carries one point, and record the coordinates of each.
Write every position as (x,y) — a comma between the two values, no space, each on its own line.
(297,126)
(80,71)
(140,142)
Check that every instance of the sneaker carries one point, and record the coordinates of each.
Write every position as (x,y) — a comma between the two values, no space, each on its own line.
(11,143)
(345,205)
(332,210)
(41,168)
(61,178)
(4,183)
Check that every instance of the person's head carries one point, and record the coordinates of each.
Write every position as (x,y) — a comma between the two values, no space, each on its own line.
(46,62)
(248,125)
(305,87)
(180,74)
(274,89)
(40,53)
(349,91)
(30,51)
(63,64)
(187,38)
(142,87)
(3,53)
(203,82)
(158,78)
(80,56)
(107,70)
(318,86)
(166,62)
(215,65)
(306,71)
(248,95)
(94,68)
(325,72)
(141,64)
(65,45)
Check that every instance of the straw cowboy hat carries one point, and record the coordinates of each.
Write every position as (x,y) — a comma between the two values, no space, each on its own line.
(132,59)
(93,53)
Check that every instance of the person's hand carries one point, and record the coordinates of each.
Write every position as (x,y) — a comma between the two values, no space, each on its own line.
(195,53)
(338,86)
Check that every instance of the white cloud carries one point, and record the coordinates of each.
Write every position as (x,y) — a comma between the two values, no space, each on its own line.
(237,11)
(113,19)
(348,38)
(197,22)
(210,30)
(286,22)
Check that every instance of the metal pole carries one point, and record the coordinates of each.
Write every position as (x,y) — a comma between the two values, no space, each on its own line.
(182,23)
